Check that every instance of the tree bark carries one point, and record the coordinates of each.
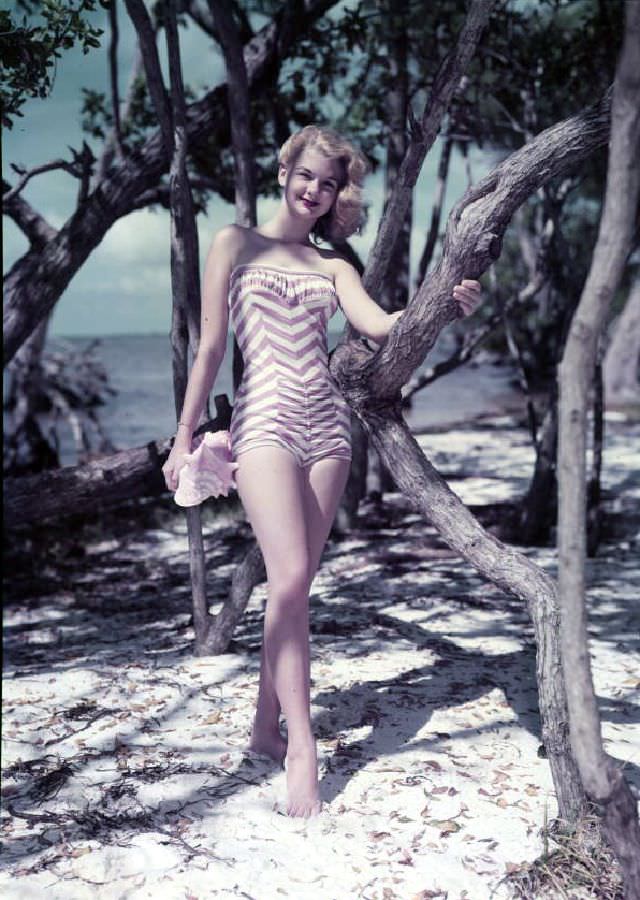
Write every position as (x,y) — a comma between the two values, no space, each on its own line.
(109,480)
(251,570)
(37,280)
(239,101)
(603,780)
(623,353)
(436,209)
(371,382)
(72,490)
(423,135)
(185,283)
(395,286)
(500,564)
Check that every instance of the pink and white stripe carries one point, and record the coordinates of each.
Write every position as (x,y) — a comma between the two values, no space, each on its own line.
(287,395)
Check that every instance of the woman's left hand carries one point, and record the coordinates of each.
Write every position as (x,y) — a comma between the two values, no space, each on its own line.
(467,295)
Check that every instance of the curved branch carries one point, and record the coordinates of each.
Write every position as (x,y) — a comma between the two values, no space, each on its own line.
(34,226)
(113,75)
(36,281)
(147,37)
(473,241)
(27,174)
(422,138)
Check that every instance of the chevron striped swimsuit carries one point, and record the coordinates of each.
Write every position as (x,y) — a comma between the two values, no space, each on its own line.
(287,395)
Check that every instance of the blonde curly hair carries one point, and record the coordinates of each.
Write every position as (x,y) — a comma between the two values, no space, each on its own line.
(347,215)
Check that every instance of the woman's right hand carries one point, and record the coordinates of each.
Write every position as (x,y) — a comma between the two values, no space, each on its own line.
(175,460)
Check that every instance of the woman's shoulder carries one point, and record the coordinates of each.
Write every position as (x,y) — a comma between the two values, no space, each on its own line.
(334,263)
(232,241)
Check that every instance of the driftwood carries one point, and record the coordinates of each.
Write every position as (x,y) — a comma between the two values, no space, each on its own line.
(372,382)
(47,387)
(604,781)
(36,281)
(111,479)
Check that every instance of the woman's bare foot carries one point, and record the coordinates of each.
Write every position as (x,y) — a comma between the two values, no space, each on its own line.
(268,741)
(303,798)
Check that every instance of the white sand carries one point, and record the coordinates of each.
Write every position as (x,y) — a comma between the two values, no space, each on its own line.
(424,707)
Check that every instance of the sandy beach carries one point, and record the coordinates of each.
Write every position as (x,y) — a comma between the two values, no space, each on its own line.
(124,774)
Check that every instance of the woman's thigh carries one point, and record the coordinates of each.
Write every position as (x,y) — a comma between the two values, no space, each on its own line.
(324,484)
(271,488)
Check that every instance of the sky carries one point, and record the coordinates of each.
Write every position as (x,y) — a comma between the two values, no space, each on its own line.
(124,287)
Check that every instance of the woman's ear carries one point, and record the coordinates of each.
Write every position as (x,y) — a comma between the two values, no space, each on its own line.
(282,175)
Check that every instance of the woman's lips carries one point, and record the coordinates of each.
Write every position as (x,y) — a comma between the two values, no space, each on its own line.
(310,204)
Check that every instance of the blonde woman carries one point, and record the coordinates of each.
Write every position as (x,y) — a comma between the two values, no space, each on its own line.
(289,430)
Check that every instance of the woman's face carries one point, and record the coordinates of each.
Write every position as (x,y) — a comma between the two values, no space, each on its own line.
(311,183)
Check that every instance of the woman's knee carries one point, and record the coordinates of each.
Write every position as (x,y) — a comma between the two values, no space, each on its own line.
(289,582)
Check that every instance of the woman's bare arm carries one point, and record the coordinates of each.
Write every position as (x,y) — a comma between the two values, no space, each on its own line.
(371,320)
(213,342)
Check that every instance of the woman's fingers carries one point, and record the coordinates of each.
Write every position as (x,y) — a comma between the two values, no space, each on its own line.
(467,295)
(169,472)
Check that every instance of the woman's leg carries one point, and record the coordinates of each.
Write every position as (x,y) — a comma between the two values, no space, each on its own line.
(271,487)
(324,483)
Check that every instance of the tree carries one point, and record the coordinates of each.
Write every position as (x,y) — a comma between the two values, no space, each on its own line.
(623,353)
(35,282)
(372,382)
(28,49)
(603,780)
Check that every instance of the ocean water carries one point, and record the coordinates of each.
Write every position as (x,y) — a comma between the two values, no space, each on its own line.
(142,410)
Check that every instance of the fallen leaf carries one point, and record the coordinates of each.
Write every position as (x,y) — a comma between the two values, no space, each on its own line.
(213,718)
(446,826)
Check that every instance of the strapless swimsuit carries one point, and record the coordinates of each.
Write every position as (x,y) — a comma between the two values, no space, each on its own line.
(287,395)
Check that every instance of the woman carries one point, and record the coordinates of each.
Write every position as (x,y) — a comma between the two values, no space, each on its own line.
(290,425)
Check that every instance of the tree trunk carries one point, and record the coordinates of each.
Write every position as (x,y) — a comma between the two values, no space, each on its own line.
(500,564)
(251,570)
(72,490)
(436,209)
(36,281)
(603,781)
(185,282)
(538,509)
(623,353)
(371,382)
(395,286)
(423,135)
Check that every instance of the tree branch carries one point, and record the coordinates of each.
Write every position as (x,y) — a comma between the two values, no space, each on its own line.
(36,280)
(113,75)
(239,105)
(151,61)
(473,241)
(422,138)
(34,226)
